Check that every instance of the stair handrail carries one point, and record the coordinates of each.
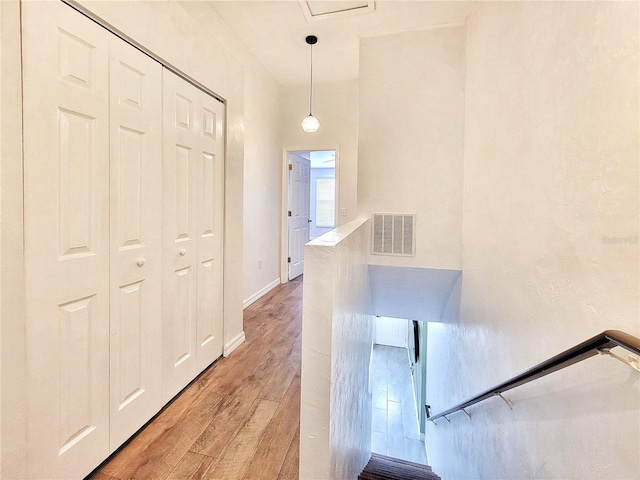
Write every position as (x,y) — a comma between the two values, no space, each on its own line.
(599,345)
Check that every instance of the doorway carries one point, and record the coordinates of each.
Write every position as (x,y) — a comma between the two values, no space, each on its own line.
(310,201)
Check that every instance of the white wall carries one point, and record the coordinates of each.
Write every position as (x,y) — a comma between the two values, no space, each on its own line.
(335,418)
(550,241)
(336,106)
(411,138)
(262,184)
(391,331)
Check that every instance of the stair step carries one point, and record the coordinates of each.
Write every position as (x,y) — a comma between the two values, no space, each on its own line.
(381,467)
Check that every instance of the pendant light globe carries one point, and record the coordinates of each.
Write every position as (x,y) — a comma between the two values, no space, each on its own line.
(310,124)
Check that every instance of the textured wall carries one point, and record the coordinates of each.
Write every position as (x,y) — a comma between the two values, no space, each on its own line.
(550,245)
(411,138)
(335,420)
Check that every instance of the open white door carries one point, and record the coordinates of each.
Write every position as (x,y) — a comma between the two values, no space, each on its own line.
(299,176)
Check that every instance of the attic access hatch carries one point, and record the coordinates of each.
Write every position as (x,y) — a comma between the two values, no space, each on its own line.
(315,10)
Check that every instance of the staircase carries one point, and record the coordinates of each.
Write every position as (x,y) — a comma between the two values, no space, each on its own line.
(387,468)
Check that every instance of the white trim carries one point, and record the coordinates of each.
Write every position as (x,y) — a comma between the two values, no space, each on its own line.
(261,293)
(284,236)
(233,344)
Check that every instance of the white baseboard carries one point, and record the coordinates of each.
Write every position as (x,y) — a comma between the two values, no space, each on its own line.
(233,344)
(261,293)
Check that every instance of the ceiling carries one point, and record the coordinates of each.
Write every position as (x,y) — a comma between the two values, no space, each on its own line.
(274,31)
(413,293)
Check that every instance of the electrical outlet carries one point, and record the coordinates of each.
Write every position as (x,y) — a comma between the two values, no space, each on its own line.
(260,263)
(343,212)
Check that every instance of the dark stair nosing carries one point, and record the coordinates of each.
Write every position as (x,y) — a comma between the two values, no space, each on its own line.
(381,467)
(385,459)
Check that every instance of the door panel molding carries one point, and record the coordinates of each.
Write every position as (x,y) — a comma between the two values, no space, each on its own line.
(135,99)
(192,232)
(66,235)
(93,239)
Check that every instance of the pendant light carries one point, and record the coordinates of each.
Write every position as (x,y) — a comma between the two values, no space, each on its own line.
(310,123)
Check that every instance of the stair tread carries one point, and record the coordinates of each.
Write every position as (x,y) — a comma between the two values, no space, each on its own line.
(384,458)
(381,467)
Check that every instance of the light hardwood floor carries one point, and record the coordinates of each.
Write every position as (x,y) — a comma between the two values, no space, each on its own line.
(240,419)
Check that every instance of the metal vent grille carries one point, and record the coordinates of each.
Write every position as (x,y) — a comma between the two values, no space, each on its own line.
(394,234)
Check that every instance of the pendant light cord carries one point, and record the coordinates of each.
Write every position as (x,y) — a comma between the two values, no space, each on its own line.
(311,82)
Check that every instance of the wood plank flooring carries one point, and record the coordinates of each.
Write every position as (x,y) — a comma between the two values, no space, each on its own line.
(240,419)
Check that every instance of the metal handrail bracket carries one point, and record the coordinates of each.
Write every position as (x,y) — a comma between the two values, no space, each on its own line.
(599,345)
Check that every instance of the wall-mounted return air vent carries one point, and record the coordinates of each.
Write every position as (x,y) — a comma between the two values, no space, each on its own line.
(394,234)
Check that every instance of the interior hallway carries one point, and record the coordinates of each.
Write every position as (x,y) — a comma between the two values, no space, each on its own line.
(240,419)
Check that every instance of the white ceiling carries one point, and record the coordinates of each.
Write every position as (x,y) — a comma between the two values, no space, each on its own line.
(274,31)
(413,293)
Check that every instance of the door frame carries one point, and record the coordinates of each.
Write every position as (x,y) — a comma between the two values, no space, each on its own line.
(284,222)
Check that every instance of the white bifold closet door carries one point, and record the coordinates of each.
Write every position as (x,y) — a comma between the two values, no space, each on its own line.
(66,223)
(123,195)
(193,151)
(92,166)
(136,238)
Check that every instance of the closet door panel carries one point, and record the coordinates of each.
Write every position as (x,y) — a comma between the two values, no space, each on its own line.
(136,229)
(180,196)
(210,222)
(66,218)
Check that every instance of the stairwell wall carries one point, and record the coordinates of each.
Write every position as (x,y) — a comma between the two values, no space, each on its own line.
(550,245)
(337,336)
(411,138)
